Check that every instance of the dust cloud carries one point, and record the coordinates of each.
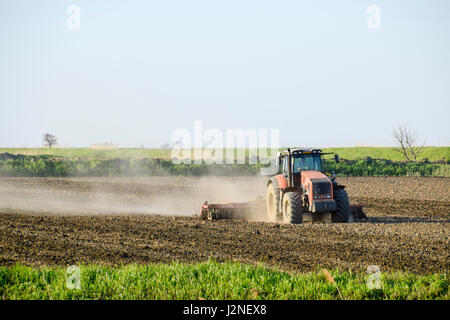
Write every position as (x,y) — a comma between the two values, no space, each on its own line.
(178,196)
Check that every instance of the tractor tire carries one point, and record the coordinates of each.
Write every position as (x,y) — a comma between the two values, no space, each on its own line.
(273,203)
(292,208)
(343,206)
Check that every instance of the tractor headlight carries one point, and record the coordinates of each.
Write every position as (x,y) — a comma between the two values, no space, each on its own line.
(328,196)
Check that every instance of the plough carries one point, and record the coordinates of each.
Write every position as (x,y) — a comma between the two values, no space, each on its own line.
(248,210)
(232,210)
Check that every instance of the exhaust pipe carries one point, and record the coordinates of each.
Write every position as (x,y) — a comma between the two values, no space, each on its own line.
(289,179)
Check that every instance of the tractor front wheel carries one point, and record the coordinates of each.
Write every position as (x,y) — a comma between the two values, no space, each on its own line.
(343,206)
(292,207)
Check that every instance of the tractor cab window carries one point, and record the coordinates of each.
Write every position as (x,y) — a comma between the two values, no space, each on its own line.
(307,163)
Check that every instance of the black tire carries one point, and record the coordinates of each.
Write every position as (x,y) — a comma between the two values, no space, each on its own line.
(273,203)
(343,206)
(292,208)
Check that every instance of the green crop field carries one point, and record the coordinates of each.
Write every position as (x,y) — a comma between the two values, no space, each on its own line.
(135,153)
(352,153)
(153,162)
(212,280)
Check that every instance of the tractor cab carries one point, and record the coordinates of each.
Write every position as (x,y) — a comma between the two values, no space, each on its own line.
(298,160)
(304,160)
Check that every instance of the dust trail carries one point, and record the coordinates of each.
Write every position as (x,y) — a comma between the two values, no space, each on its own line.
(152,195)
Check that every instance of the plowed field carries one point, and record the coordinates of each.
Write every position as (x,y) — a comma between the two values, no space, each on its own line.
(50,221)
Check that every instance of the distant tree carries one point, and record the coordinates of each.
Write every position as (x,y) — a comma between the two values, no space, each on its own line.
(49,140)
(406,140)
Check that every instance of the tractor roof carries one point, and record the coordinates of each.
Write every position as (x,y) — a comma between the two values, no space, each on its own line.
(303,151)
(306,151)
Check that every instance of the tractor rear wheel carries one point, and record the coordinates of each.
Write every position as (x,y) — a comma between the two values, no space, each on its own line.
(273,203)
(343,206)
(292,207)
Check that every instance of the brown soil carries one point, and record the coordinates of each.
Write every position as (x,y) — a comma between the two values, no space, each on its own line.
(407,230)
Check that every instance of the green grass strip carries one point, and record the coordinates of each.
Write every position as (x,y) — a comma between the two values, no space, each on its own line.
(211,280)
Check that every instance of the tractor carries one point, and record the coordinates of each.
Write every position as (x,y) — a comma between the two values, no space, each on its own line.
(302,189)
(301,192)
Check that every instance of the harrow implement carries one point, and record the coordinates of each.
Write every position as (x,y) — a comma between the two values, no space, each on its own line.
(231,210)
(247,210)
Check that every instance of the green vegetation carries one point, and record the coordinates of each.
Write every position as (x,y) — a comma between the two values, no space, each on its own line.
(379,167)
(352,153)
(49,166)
(156,162)
(88,153)
(211,280)
(433,154)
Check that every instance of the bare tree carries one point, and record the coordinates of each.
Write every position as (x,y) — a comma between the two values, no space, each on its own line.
(406,140)
(49,140)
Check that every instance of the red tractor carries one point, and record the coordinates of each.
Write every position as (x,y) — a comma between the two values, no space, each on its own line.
(302,192)
(302,189)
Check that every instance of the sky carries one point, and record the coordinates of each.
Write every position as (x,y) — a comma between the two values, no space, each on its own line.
(325,73)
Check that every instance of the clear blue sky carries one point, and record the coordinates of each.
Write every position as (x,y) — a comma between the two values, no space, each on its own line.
(137,70)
